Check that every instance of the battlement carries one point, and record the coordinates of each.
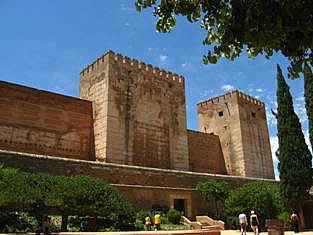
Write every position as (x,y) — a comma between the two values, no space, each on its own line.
(230,95)
(132,63)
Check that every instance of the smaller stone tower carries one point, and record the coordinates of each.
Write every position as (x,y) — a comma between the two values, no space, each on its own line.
(240,122)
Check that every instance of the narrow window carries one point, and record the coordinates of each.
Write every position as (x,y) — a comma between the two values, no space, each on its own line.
(220,113)
(253,114)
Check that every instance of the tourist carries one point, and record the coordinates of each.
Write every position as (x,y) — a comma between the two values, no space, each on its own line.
(254,222)
(243,223)
(147,223)
(157,221)
(46,225)
(295,222)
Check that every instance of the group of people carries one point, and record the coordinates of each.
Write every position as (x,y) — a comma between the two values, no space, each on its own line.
(157,222)
(254,223)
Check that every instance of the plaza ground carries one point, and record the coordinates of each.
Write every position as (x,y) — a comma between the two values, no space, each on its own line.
(237,232)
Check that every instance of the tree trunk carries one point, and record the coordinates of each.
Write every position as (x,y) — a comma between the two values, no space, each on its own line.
(64,223)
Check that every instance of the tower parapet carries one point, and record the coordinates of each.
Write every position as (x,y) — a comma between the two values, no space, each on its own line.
(229,95)
(127,61)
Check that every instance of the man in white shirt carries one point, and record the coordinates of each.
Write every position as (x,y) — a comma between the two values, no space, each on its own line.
(243,223)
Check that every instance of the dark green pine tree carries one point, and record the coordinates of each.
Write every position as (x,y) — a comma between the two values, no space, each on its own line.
(308,94)
(295,159)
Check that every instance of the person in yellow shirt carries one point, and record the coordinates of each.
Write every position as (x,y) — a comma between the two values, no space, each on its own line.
(147,223)
(157,221)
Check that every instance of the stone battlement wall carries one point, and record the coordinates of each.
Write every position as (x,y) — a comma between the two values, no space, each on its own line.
(147,68)
(42,122)
(230,95)
(115,173)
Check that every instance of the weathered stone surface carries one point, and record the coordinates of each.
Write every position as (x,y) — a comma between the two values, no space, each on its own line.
(36,121)
(240,122)
(205,153)
(139,113)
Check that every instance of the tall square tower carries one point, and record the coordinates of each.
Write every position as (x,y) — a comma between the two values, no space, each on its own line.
(240,122)
(139,112)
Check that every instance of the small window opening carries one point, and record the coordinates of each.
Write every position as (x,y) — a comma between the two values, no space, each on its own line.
(220,114)
(253,114)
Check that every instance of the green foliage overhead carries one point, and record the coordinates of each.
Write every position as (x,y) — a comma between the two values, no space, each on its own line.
(295,159)
(258,26)
(308,94)
(264,198)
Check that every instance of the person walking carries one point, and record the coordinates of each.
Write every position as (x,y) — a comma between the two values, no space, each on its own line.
(148,223)
(243,223)
(254,222)
(157,221)
(295,222)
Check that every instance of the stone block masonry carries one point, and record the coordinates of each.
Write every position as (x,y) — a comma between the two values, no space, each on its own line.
(42,122)
(139,112)
(240,122)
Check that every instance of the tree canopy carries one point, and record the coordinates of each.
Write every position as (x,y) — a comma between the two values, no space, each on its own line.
(257,26)
(41,194)
(262,197)
(213,190)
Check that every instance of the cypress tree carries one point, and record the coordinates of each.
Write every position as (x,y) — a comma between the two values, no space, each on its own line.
(308,94)
(294,156)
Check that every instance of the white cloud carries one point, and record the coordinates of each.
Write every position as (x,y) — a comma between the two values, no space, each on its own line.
(227,87)
(163,59)
(307,140)
(187,66)
(300,98)
(274,147)
(259,90)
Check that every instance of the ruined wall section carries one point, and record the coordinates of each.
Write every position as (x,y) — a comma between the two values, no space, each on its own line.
(255,137)
(220,116)
(41,122)
(205,153)
(147,121)
(93,86)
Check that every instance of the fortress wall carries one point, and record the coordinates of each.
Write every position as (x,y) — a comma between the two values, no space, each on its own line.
(142,186)
(35,121)
(205,153)
(143,112)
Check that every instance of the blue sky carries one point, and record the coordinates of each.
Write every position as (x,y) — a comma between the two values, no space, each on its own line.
(45,44)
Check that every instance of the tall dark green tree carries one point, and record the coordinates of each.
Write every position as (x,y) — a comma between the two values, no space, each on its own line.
(308,94)
(295,159)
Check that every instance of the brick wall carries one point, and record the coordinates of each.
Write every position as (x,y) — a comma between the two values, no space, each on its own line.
(41,122)
(205,153)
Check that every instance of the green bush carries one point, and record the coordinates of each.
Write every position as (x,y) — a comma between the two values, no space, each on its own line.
(173,216)
(141,215)
(259,196)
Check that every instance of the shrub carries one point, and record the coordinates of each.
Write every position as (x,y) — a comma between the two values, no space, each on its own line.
(173,216)
(260,196)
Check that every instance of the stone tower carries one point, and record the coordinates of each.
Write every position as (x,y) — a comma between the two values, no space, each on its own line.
(139,113)
(240,122)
